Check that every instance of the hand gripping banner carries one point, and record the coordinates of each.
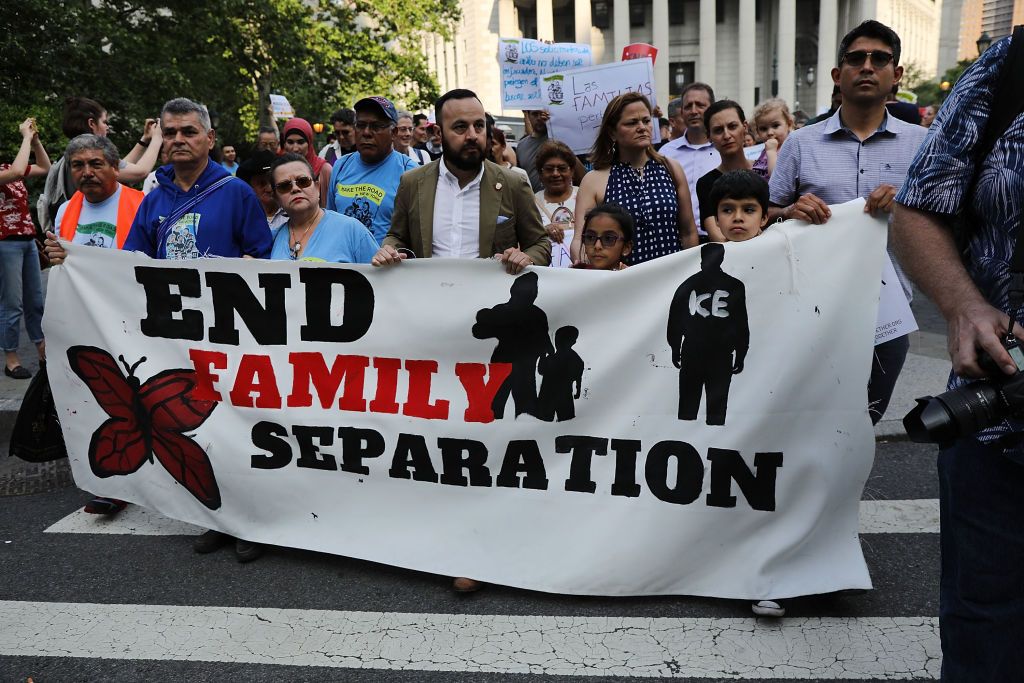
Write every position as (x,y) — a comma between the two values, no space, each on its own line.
(695,425)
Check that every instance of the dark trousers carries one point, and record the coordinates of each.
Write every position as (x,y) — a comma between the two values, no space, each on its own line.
(522,385)
(708,373)
(981,594)
(885,370)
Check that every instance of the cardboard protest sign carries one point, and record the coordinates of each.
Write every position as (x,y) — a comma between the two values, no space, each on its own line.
(577,99)
(282,107)
(697,422)
(522,60)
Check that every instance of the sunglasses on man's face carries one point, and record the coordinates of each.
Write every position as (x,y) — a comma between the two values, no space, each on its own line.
(608,239)
(285,186)
(878,58)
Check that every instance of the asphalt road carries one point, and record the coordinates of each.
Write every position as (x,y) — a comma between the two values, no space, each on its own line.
(146,570)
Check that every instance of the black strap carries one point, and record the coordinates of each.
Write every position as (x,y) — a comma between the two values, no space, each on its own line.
(1006,107)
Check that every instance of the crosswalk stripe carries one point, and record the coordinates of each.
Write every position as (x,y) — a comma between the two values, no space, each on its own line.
(876,517)
(799,648)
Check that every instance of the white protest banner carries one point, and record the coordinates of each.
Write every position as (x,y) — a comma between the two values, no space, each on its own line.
(895,319)
(522,60)
(351,410)
(577,99)
(282,107)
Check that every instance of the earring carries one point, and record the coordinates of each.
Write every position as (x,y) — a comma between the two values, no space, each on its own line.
(615,148)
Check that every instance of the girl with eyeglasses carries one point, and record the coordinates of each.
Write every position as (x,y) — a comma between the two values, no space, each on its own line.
(297,138)
(313,233)
(607,237)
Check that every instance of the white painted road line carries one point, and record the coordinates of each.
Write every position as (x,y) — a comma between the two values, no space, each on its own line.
(876,517)
(804,648)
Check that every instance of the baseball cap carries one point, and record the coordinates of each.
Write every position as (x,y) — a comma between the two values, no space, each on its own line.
(381,104)
(258,164)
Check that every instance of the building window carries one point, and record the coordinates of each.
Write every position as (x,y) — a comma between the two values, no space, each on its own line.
(637,13)
(679,74)
(600,14)
(720,11)
(676,12)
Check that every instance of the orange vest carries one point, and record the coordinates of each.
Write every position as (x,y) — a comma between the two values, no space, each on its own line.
(127,206)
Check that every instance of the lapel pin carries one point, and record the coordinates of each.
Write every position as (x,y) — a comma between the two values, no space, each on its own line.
(497,186)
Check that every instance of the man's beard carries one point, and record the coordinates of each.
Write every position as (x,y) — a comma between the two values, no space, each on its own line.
(461,162)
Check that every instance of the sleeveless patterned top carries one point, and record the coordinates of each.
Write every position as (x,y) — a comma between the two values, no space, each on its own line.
(654,205)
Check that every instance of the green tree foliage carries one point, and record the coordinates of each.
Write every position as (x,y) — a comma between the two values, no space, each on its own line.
(931,91)
(132,55)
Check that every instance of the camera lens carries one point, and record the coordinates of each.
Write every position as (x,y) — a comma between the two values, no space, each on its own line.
(955,413)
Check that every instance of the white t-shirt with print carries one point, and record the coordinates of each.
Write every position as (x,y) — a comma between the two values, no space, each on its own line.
(563,213)
(97,224)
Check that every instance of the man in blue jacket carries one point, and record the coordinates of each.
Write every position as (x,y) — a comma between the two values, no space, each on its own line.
(198,209)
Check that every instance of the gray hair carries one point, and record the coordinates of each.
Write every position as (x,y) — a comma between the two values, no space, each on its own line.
(182,105)
(404,115)
(90,141)
(674,106)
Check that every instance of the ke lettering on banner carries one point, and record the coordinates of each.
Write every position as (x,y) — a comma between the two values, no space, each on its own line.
(577,99)
(523,60)
(703,430)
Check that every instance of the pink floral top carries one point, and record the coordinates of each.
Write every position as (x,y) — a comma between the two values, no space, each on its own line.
(15,218)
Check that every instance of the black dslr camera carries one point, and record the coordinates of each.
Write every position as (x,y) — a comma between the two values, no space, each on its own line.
(961,412)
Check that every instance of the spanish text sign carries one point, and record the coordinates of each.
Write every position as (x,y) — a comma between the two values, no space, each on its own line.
(577,99)
(699,427)
(522,60)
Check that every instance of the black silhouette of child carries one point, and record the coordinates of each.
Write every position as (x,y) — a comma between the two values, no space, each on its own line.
(521,329)
(562,371)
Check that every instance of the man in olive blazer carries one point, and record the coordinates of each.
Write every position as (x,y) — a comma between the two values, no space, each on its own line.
(508,214)
(460,190)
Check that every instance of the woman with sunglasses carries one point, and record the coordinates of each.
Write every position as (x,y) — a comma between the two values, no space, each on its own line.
(297,138)
(313,233)
(630,173)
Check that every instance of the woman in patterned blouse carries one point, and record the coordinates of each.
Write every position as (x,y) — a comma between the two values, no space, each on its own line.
(630,173)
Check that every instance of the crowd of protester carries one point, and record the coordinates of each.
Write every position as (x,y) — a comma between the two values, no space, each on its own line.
(391,185)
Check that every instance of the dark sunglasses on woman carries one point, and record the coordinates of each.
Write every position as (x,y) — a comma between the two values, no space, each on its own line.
(285,186)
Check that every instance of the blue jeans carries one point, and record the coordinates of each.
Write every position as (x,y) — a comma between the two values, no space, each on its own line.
(885,370)
(981,593)
(21,292)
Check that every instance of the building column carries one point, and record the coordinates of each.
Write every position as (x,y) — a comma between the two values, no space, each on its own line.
(708,28)
(828,27)
(545,20)
(787,51)
(620,27)
(659,19)
(507,19)
(746,55)
(583,21)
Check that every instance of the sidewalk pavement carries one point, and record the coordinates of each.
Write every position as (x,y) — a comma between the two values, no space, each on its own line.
(924,373)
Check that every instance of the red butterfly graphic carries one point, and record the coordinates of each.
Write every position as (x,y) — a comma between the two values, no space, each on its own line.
(146,419)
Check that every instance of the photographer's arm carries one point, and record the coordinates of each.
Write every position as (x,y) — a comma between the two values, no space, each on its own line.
(926,250)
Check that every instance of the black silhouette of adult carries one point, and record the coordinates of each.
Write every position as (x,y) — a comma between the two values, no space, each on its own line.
(521,329)
(708,335)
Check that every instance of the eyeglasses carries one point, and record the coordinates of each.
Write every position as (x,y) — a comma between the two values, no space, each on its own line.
(554,169)
(879,59)
(608,239)
(375,126)
(285,186)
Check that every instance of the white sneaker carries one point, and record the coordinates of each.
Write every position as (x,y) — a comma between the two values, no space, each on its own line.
(768,608)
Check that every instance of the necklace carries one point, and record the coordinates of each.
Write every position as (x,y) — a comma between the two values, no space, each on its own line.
(297,243)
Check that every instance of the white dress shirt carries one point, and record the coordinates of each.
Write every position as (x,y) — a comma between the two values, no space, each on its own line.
(696,160)
(456,216)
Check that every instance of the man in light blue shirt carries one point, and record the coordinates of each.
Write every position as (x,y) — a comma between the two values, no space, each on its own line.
(363,184)
(860,151)
(693,150)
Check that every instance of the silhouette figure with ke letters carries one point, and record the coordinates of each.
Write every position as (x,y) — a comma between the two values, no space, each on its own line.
(562,372)
(708,335)
(521,329)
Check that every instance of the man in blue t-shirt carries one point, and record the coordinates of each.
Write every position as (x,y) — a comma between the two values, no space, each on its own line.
(363,184)
(221,216)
